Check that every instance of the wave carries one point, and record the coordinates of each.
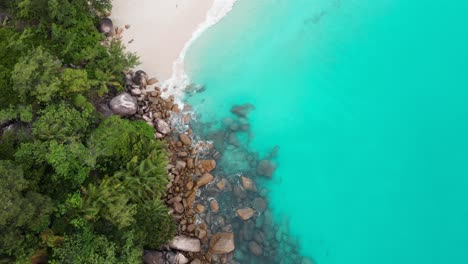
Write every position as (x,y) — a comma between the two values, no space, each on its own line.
(179,80)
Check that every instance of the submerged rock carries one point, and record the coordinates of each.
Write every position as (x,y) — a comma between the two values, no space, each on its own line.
(208,165)
(266,168)
(245,213)
(204,179)
(222,243)
(255,248)
(242,110)
(124,105)
(248,184)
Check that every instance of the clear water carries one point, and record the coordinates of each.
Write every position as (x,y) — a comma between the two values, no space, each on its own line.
(368,102)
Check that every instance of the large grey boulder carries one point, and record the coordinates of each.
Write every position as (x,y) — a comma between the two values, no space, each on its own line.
(106,26)
(123,105)
(185,243)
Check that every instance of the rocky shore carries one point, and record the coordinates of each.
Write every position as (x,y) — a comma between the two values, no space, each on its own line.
(222,214)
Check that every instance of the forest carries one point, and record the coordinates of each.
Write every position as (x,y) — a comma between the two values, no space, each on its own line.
(75,186)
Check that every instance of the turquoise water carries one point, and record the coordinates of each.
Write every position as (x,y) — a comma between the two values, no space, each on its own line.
(368,102)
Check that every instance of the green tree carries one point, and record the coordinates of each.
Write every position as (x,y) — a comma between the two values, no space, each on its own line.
(155,226)
(36,77)
(22,213)
(61,122)
(87,247)
(116,141)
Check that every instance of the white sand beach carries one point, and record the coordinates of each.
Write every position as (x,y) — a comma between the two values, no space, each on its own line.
(159,29)
(161,32)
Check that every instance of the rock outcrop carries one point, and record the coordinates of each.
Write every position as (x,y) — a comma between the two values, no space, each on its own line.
(124,105)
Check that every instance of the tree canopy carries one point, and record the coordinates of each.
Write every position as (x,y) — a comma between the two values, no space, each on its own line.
(75,187)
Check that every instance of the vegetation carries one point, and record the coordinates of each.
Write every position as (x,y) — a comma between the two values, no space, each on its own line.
(75,187)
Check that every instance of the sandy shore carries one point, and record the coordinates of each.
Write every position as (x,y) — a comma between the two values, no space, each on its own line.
(159,29)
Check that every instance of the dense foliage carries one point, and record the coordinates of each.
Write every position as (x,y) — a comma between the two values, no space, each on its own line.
(75,187)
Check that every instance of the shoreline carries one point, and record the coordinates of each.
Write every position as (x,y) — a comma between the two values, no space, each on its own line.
(162,49)
(220,218)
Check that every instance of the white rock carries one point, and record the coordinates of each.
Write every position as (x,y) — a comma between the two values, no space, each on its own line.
(185,243)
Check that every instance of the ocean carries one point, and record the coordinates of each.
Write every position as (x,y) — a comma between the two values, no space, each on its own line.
(367,102)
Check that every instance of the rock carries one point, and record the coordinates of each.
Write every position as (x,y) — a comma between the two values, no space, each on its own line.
(162,127)
(204,179)
(255,248)
(190,228)
(181,259)
(233,140)
(222,243)
(208,165)
(306,260)
(247,230)
(190,164)
(242,110)
(214,206)
(152,81)
(106,26)
(185,243)
(221,184)
(163,257)
(180,165)
(140,78)
(259,237)
(178,207)
(185,139)
(245,213)
(158,135)
(104,109)
(266,168)
(196,261)
(200,208)
(248,184)
(136,92)
(259,204)
(124,105)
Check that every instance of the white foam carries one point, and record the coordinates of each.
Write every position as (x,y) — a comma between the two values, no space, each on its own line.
(179,79)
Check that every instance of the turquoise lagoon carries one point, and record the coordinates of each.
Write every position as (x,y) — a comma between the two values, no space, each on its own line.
(368,102)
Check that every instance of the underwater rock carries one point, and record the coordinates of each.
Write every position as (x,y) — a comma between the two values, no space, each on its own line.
(255,248)
(248,184)
(259,204)
(266,168)
(214,206)
(242,110)
(204,179)
(222,243)
(245,213)
(208,165)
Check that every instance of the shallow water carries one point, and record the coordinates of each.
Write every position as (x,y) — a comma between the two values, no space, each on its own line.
(367,103)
